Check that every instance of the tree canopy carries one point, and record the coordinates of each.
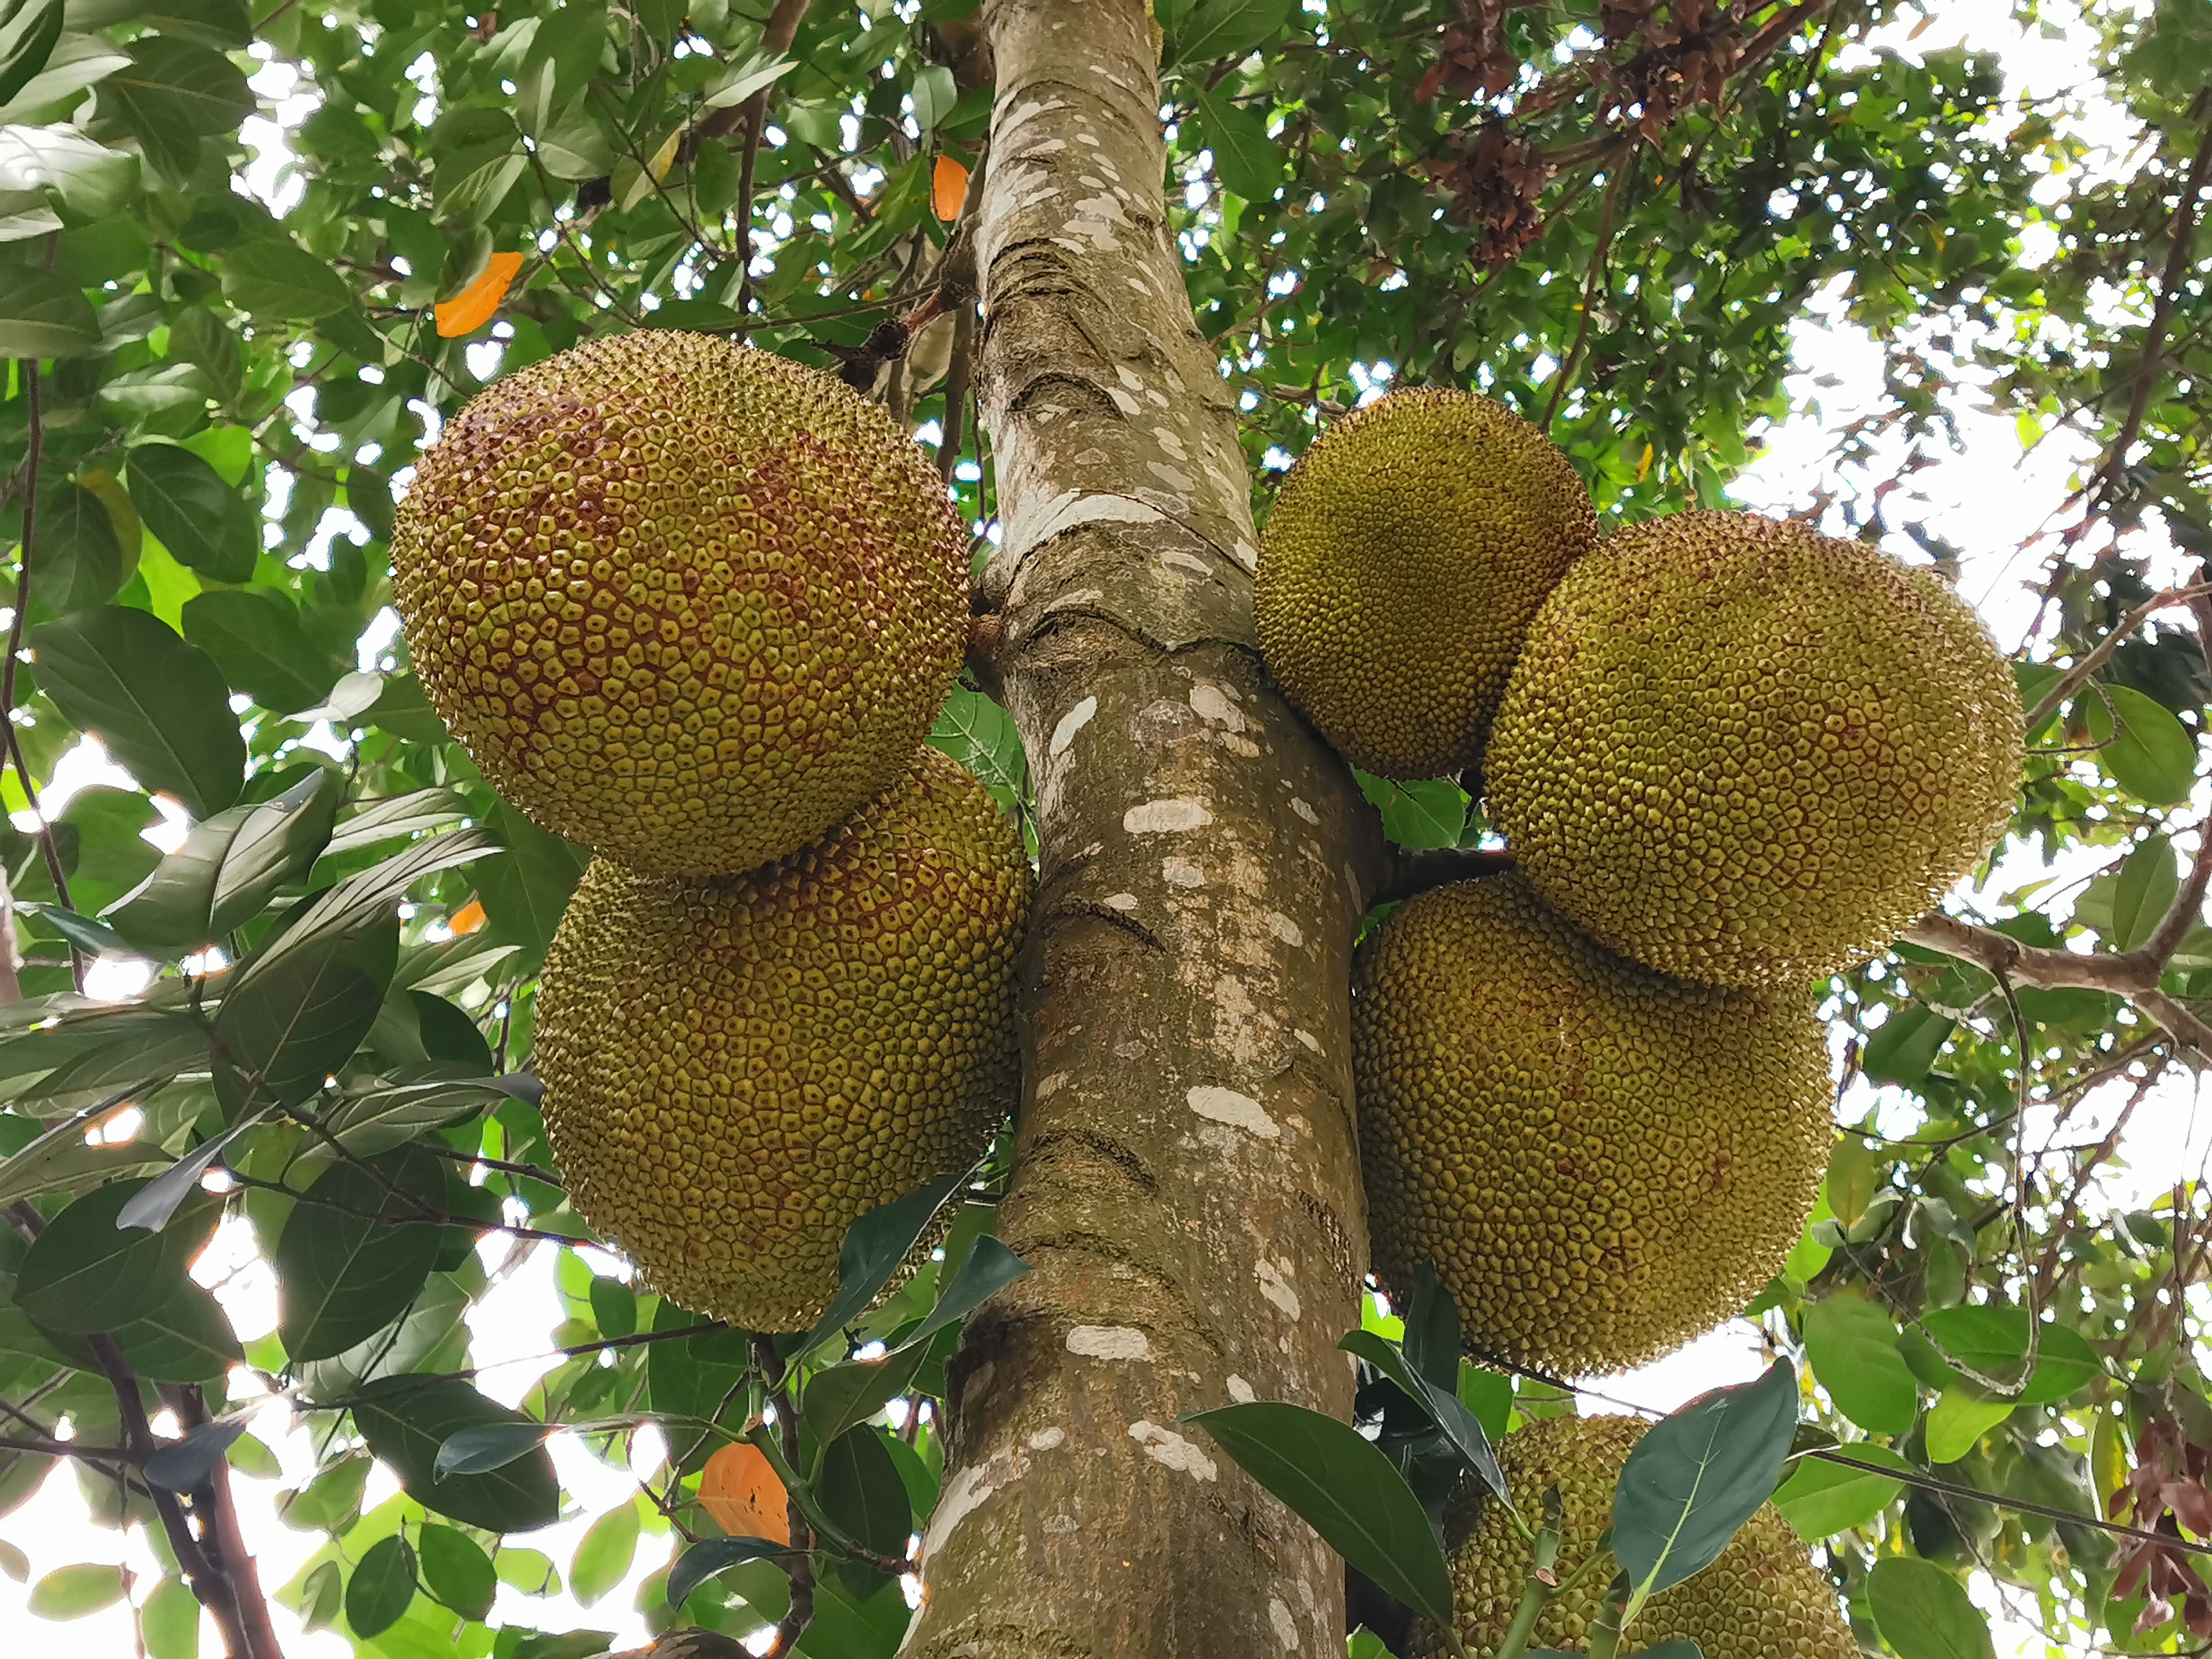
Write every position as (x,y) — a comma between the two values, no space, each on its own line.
(249,264)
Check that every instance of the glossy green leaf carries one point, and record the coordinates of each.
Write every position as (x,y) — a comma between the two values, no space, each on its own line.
(284,1029)
(1698,1475)
(487,1446)
(456,1570)
(2141,746)
(169,1622)
(860,1488)
(1822,1499)
(1207,30)
(1852,1345)
(158,703)
(28,30)
(988,1268)
(1347,1491)
(2146,888)
(1924,1613)
(1245,158)
(42,315)
(874,1246)
(83,1274)
(703,1560)
(256,640)
(605,1554)
(381,1587)
(838,1397)
(188,1339)
(356,1251)
(206,524)
(1905,1048)
(1957,1422)
(229,867)
(73,1592)
(405,1419)
(281,281)
(79,559)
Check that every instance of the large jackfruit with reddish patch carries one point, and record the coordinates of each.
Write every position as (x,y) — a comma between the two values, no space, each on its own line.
(687,603)
(1749,754)
(1600,1162)
(1762,1599)
(737,1067)
(1407,553)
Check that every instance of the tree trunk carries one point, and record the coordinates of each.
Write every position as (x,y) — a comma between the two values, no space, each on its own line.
(1189,1183)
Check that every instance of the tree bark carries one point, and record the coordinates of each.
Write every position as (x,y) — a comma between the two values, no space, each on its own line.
(1188,1187)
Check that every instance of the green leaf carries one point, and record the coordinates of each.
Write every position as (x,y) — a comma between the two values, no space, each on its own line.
(284,1029)
(381,1587)
(703,1560)
(980,735)
(602,1556)
(79,557)
(229,867)
(206,524)
(1212,29)
(456,1570)
(355,1252)
(1987,1340)
(874,1248)
(73,1592)
(838,1397)
(990,1266)
(178,85)
(1924,1613)
(170,1621)
(858,1488)
(180,1465)
(280,281)
(83,1274)
(1245,159)
(1347,1491)
(2142,747)
(1957,1422)
(1905,1048)
(28,30)
(188,1339)
(1852,1345)
(614,1307)
(1442,1406)
(526,892)
(2145,890)
(1697,1476)
(256,640)
(1822,1499)
(1426,814)
(488,1446)
(156,703)
(43,315)
(935,95)
(405,1421)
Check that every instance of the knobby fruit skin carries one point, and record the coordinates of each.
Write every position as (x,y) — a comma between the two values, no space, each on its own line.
(736,1067)
(1748,754)
(687,603)
(1407,553)
(1600,1162)
(1763,1599)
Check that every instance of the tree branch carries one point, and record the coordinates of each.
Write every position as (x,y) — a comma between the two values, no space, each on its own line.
(229,1541)
(776,36)
(771,1365)
(2076,675)
(1403,872)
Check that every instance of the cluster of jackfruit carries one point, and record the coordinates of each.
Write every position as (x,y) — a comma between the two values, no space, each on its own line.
(1762,1599)
(1729,757)
(696,606)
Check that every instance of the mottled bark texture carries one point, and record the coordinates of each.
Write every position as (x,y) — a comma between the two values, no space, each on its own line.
(1189,1183)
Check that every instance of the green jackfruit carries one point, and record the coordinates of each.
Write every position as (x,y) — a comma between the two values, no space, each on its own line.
(1600,1162)
(737,1067)
(1748,754)
(1763,1599)
(687,604)
(1407,553)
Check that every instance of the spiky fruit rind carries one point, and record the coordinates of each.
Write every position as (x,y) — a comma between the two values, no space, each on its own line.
(1407,553)
(1745,753)
(1600,1162)
(1762,1599)
(737,1067)
(687,604)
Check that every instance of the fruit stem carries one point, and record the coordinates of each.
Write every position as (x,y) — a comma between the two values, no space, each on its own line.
(1605,1634)
(1545,1551)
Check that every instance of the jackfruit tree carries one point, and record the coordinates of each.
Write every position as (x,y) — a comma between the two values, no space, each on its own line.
(781,878)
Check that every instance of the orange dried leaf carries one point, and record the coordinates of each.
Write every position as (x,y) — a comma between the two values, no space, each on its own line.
(739,1489)
(472,307)
(468,918)
(948,188)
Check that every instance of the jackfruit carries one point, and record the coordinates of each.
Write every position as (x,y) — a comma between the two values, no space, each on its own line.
(1407,551)
(1762,1599)
(687,604)
(1745,753)
(1600,1162)
(736,1067)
